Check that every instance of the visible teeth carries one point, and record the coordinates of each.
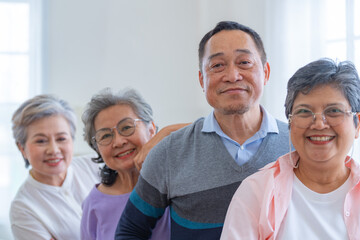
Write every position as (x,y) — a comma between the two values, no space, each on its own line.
(125,153)
(322,139)
(54,161)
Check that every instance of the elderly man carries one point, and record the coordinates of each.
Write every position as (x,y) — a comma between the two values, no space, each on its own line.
(195,171)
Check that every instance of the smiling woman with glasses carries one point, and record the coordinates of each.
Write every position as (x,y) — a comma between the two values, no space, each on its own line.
(117,126)
(312,192)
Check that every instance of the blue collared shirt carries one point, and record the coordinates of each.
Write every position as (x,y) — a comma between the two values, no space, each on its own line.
(242,153)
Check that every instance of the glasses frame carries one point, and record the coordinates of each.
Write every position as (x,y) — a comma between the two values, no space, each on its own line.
(323,118)
(118,131)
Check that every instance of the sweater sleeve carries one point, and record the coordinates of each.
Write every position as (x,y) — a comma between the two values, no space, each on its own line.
(134,224)
(148,201)
(138,219)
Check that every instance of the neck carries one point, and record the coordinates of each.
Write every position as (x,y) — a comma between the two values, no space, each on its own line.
(322,178)
(56,180)
(240,127)
(124,183)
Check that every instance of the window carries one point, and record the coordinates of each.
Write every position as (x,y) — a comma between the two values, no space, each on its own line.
(20,78)
(343,30)
(342,37)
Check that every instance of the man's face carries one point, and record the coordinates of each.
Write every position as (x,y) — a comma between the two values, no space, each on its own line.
(232,75)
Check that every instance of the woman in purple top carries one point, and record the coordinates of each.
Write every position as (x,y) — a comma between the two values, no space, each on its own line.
(116,126)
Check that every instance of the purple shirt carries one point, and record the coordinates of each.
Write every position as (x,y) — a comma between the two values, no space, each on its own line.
(101,214)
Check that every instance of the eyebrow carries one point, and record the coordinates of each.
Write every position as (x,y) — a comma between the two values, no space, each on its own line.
(327,105)
(246,51)
(43,135)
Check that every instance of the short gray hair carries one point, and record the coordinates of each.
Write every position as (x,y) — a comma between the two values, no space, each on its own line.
(36,108)
(106,98)
(340,75)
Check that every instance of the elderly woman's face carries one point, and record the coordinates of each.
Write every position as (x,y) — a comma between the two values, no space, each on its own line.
(49,149)
(120,152)
(320,141)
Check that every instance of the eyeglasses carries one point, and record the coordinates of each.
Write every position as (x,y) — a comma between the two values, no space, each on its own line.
(333,116)
(125,127)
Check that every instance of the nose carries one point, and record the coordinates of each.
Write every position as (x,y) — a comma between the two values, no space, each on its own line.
(119,140)
(319,121)
(233,73)
(53,147)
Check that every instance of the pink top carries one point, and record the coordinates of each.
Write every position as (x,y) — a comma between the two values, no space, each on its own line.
(259,205)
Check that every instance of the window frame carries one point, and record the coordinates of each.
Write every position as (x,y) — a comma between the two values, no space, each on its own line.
(14,161)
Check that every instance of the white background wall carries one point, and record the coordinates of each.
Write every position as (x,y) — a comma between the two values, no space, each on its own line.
(151,45)
(148,45)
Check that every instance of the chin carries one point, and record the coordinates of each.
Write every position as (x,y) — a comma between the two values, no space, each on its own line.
(235,110)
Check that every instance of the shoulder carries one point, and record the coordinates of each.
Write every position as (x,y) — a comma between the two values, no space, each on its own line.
(281,140)
(24,204)
(178,138)
(254,188)
(186,131)
(25,195)
(84,161)
(85,167)
(283,127)
(91,198)
(267,175)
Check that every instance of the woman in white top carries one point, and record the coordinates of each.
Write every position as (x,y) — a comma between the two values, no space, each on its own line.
(48,204)
(313,192)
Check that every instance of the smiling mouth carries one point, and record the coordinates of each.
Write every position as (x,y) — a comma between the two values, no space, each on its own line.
(53,161)
(321,139)
(125,153)
(233,90)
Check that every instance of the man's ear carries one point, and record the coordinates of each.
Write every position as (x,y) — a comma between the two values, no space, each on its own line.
(266,72)
(201,80)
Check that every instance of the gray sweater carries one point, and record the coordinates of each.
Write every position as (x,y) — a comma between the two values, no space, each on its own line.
(193,173)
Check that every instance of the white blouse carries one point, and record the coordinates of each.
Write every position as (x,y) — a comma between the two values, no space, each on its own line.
(41,211)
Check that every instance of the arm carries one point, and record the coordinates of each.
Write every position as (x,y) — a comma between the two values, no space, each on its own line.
(25,226)
(133,224)
(88,225)
(241,221)
(149,199)
(140,157)
(138,219)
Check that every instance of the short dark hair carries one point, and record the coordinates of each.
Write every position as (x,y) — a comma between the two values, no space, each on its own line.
(229,25)
(325,71)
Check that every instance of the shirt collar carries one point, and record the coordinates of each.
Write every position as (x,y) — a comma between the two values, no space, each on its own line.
(268,124)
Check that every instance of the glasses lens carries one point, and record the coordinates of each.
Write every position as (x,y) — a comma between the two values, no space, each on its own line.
(302,118)
(104,136)
(334,115)
(126,127)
